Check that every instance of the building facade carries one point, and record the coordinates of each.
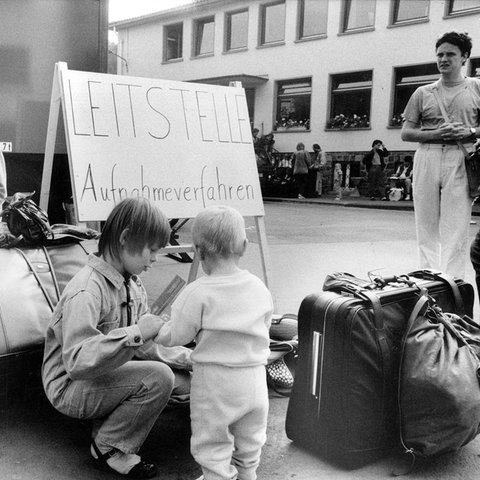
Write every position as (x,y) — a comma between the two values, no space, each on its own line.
(333,72)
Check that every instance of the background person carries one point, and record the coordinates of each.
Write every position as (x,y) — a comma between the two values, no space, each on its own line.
(98,327)
(404,176)
(374,162)
(301,164)
(442,202)
(315,172)
(337,181)
(228,312)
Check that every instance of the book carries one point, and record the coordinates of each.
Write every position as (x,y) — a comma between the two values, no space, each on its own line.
(162,305)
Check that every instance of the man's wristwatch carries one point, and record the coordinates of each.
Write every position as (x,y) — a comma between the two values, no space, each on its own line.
(473,132)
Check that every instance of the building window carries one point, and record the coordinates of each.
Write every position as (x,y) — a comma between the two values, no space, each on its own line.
(407,80)
(236,30)
(204,31)
(312,18)
(293,105)
(475,67)
(350,100)
(455,7)
(173,42)
(272,23)
(358,14)
(409,10)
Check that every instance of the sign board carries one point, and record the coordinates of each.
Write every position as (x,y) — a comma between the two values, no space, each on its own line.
(184,146)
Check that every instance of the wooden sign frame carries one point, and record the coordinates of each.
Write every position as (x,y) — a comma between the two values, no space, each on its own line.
(57,101)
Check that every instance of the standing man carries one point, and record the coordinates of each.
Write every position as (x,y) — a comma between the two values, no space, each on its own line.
(374,162)
(440,187)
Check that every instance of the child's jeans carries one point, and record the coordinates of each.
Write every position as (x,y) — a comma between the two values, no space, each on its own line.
(229,408)
(124,403)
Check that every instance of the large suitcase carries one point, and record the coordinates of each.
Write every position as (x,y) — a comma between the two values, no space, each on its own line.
(343,404)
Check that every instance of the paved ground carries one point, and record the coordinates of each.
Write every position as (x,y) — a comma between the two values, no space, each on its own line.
(307,240)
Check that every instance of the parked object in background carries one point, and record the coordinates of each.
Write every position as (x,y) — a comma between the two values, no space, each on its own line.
(343,405)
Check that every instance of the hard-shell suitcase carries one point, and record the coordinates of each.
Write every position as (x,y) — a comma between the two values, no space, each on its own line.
(343,403)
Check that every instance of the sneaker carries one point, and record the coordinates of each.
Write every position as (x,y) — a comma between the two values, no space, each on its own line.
(338,198)
(301,197)
(372,198)
(408,197)
(384,199)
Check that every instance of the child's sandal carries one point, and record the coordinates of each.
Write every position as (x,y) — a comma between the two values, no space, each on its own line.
(143,469)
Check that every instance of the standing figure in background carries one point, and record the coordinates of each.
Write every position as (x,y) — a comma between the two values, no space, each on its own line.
(440,189)
(301,164)
(374,162)
(315,172)
(404,176)
(337,181)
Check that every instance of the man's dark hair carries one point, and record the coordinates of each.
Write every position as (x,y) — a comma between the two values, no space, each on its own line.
(461,40)
(375,142)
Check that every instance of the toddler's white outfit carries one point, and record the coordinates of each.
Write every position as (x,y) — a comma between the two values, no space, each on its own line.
(229,317)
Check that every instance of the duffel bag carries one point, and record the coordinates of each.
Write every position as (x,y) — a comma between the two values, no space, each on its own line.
(31,282)
(439,392)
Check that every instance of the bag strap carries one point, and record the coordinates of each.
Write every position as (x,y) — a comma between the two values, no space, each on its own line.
(448,280)
(445,116)
(39,280)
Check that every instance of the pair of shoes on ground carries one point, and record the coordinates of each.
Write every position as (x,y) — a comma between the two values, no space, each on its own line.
(127,465)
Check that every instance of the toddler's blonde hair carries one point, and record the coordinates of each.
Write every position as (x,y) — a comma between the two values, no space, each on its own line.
(219,231)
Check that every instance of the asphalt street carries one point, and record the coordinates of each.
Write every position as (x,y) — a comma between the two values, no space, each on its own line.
(306,242)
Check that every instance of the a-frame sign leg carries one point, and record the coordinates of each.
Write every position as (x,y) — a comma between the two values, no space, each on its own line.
(52,126)
(264,254)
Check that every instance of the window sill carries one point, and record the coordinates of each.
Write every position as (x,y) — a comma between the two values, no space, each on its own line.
(356,30)
(394,127)
(408,22)
(346,129)
(235,50)
(204,55)
(291,130)
(172,60)
(312,37)
(273,44)
(461,14)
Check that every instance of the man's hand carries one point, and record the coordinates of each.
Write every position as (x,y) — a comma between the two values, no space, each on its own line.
(150,325)
(453,131)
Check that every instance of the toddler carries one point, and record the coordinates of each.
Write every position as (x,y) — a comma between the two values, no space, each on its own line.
(228,313)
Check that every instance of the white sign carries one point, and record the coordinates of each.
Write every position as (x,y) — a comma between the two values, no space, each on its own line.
(5,146)
(183,145)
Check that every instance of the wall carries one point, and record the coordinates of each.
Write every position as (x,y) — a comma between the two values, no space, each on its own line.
(34,35)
